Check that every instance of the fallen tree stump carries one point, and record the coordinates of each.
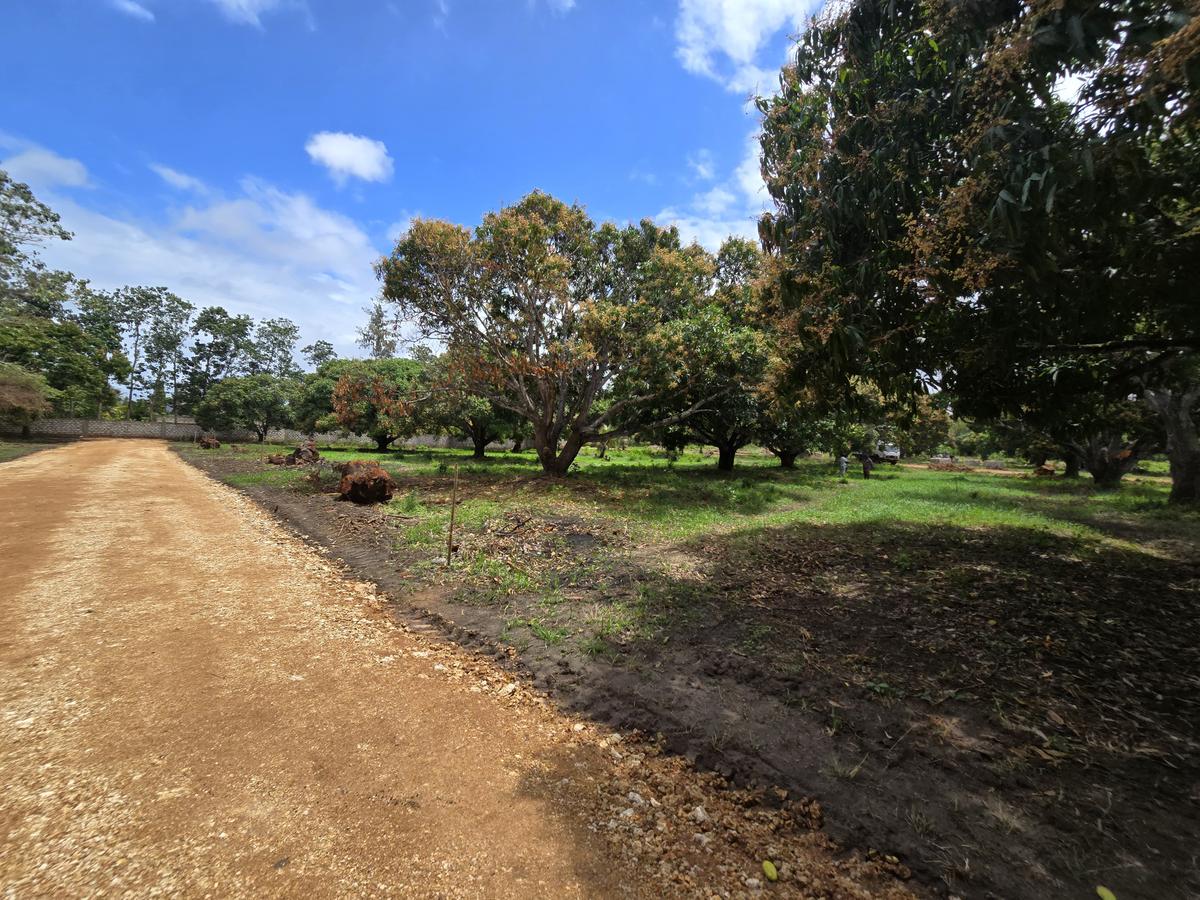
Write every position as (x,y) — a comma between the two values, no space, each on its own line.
(354,465)
(366,482)
(305,453)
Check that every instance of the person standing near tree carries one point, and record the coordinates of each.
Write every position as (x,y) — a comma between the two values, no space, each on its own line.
(868,464)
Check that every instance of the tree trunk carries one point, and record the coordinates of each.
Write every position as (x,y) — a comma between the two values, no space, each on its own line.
(480,442)
(132,376)
(787,459)
(1175,411)
(1107,477)
(725,457)
(1037,460)
(602,450)
(1073,464)
(1185,477)
(1108,461)
(382,441)
(518,443)
(554,461)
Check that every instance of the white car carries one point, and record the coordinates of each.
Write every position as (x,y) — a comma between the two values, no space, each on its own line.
(888,453)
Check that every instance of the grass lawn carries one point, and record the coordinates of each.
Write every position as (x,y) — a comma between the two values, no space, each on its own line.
(12,448)
(660,499)
(1027,646)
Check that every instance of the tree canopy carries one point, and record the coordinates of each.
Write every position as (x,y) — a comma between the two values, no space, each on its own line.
(548,315)
(946,213)
(257,402)
(378,398)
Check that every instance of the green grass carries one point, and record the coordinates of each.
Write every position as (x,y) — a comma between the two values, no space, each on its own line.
(547,633)
(660,499)
(652,507)
(13,448)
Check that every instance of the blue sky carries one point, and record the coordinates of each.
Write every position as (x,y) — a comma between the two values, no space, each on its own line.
(260,154)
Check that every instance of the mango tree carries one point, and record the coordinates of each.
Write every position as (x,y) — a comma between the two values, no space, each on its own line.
(548,315)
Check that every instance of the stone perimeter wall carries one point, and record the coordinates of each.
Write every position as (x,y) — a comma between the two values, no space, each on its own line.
(186,431)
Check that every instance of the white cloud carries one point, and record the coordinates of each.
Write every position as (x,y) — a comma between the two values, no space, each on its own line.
(1067,88)
(441,12)
(722,39)
(716,202)
(396,230)
(278,229)
(350,155)
(179,180)
(40,168)
(748,177)
(707,231)
(262,251)
(702,164)
(441,8)
(134,9)
(731,207)
(247,12)
(643,175)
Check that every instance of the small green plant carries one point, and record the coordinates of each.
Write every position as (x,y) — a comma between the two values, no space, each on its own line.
(919,821)
(597,647)
(882,688)
(845,771)
(756,636)
(548,634)
(424,533)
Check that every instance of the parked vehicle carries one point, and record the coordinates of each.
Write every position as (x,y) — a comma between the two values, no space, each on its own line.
(888,453)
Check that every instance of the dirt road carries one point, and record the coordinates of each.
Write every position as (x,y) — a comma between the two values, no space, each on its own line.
(195,702)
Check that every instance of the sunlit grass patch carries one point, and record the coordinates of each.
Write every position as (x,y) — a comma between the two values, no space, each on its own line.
(658,496)
(12,449)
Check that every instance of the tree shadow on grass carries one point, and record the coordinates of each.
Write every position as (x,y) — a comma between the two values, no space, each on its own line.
(1008,708)
(1136,513)
(648,494)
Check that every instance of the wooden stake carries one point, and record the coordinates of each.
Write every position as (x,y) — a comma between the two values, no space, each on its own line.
(453,506)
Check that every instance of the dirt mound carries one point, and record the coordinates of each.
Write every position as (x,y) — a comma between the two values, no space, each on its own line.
(208,442)
(944,465)
(366,483)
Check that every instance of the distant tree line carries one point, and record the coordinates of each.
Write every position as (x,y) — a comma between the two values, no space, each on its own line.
(135,352)
(553,331)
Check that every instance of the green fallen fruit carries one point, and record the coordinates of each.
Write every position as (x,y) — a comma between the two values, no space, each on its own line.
(1105,893)
(773,874)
